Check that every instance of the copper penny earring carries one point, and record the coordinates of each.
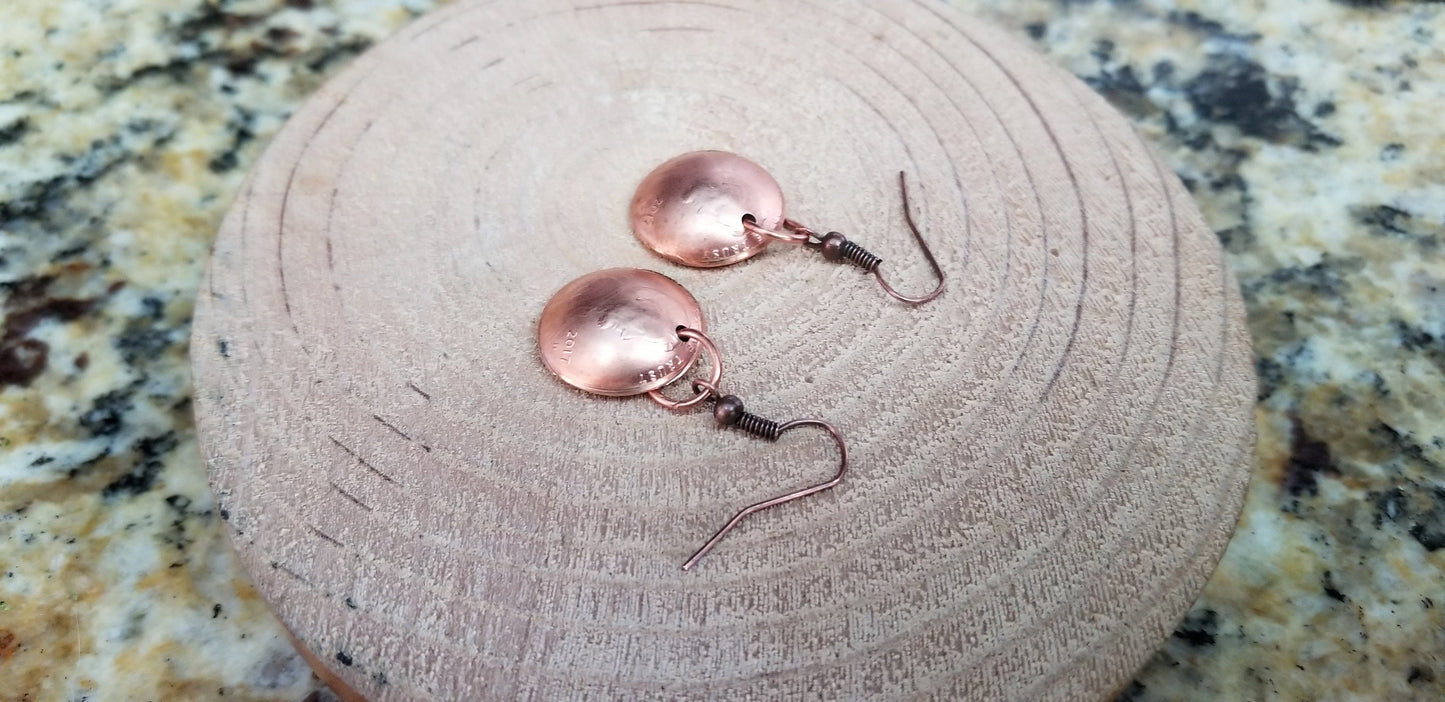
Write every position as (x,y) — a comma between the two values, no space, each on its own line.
(628,331)
(712,208)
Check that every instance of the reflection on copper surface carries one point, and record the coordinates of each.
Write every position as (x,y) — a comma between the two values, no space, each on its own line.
(691,209)
(614,332)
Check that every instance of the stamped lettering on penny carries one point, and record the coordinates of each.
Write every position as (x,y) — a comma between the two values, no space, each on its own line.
(567,346)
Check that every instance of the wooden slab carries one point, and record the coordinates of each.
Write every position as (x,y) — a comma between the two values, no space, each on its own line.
(1048,460)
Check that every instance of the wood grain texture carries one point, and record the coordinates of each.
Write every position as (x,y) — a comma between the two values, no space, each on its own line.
(1048,460)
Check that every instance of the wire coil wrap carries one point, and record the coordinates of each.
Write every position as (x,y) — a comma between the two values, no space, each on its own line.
(837,247)
(759,426)
(860,257)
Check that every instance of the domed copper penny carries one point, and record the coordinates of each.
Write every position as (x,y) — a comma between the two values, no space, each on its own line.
(614,332)
(690,209)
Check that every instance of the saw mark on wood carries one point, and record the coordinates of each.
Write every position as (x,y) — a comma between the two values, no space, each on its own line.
(276,565)
(400,433)
(361,460)
(351,497)
(323,535)
(392,427)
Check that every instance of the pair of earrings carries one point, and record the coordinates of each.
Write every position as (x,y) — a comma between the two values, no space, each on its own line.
(629,331)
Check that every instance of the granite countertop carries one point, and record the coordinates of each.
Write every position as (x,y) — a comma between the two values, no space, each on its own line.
(1308,131)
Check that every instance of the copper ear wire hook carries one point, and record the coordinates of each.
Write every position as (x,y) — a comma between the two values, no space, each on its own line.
(836,247)
(751,509)
(729,411)
(922,244)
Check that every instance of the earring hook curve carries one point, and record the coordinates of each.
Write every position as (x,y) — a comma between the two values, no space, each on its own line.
(922,244)
(789,497)
(836,247)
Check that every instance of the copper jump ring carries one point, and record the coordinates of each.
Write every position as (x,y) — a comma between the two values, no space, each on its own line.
(714,377)
(790,232)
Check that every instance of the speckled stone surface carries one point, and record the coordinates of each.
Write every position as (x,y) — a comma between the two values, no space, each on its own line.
(1310,133)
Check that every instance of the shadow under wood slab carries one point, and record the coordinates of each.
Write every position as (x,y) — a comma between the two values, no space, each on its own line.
(1046,461)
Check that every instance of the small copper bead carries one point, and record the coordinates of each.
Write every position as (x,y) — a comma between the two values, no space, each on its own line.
(728,410)
(833,246)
